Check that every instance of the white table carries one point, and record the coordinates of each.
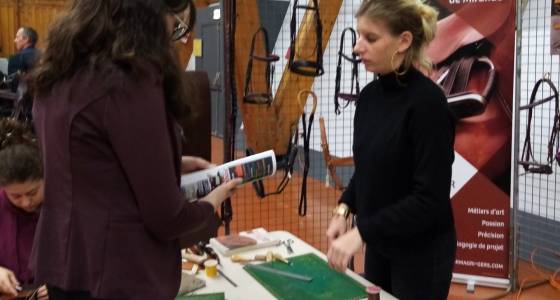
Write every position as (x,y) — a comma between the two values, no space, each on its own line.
(247,286)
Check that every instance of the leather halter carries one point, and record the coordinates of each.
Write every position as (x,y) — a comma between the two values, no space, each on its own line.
(286,162)
(354,93)
(297,64)
(260,97)
(528,161)
(454,80)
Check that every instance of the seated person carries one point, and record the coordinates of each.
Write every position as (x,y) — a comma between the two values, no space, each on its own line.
(26,56)
(21,195)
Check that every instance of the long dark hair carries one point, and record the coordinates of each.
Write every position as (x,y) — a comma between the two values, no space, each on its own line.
(119,32)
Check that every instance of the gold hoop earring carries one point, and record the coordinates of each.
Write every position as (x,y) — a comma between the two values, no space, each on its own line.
(393,65)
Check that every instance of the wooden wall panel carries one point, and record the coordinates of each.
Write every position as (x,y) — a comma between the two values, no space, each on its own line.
(8,26)
(34,13)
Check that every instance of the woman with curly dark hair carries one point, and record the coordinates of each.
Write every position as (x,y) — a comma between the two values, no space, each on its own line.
(108,92)
(21,196)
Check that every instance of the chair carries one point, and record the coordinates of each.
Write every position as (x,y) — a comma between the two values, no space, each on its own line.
(4,65)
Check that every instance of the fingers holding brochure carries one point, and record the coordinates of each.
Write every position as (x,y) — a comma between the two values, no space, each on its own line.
(194,163)
(198,184)
(222,192)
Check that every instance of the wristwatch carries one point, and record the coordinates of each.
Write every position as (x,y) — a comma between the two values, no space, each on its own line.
(341,210)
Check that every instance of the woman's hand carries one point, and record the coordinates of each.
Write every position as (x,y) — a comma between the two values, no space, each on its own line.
(8,282)
(193,163)
(43,294)
(221,193)
(343,248)
(337,227)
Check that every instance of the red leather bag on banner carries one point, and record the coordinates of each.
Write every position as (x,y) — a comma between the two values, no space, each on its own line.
(473,54)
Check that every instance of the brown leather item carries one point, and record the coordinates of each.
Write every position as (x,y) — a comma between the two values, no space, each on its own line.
(460,80)
(452,33)
(236,241)
(331,161)
(484,140)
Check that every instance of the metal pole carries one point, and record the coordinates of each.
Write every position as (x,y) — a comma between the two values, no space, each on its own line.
(228,26)
(514,251)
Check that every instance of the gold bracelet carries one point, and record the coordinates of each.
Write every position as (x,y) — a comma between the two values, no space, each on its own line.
(341,210)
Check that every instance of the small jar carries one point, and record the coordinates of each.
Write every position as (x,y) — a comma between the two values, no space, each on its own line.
(211,268)
(373,292)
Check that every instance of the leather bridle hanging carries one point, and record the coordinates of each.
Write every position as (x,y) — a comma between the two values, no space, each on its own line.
(286,162)
(528,162)
(302,209)
(355,84)
(299,65)
(249,95)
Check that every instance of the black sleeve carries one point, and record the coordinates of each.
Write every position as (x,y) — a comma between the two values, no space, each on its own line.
(348,197)
(431,133)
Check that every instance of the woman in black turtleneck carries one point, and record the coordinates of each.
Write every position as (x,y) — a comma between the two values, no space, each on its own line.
(403,152)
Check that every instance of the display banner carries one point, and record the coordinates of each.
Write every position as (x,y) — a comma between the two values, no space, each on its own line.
(555,27)
(473,54)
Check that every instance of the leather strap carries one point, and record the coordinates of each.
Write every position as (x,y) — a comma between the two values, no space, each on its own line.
(355,84)
(454,81)
(464,67)
(302,209)
(330,161)
(297,64)
(530,165)
(287,161)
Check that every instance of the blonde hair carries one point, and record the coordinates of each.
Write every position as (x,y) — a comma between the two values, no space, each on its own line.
(414,16)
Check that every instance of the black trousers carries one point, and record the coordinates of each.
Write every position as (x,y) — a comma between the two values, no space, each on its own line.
(418,272)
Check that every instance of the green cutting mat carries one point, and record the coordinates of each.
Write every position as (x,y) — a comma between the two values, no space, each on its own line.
(214,296)
(326,284)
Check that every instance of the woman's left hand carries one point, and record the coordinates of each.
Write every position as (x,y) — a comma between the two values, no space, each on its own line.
(193,163)
(343,248)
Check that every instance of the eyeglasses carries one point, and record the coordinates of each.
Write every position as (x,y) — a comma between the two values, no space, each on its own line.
(180,30)
(185,19)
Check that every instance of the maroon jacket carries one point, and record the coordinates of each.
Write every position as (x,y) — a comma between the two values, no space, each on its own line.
(113,211)
(17,228)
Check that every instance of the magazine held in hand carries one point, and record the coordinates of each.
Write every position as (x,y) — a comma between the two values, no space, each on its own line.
(200,183)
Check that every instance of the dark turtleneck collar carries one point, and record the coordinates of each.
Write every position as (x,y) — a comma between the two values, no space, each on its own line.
(392,81)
